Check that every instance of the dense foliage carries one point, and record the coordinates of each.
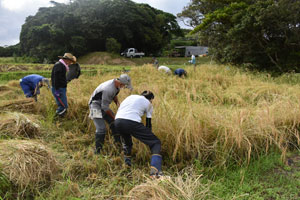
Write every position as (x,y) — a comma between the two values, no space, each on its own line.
(84,26)
(9,51)
(264,34)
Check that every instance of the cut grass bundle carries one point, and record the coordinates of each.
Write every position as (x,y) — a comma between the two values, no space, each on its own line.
(18,125)
(186,185)
(29,165)
(21,105)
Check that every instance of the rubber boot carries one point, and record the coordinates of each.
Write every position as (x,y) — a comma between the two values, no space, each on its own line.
(99,142)
(127,160)
(155,170)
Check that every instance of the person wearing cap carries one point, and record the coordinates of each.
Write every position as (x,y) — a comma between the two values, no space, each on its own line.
(180,72)
(31,85)
(129,123)
(100,112)
(74,71)
(59,82)
(165,69)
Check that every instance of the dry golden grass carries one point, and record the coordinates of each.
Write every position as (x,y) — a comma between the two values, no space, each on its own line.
(217,114)
(15,124)
(28,164)
(184,185)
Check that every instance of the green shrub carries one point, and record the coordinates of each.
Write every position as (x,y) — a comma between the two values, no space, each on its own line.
(112,45)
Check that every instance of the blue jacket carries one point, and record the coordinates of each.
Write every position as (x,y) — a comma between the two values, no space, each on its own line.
(31,82)
(179,71)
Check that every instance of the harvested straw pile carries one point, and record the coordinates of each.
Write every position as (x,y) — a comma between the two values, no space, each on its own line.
(27,164)
(185,186)
(19,125)
(3,88)
(22,105)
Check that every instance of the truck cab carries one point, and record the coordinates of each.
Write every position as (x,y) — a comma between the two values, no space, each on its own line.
(131,53)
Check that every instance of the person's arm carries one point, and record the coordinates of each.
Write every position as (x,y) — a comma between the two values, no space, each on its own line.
(116,100)
(110,113)
(149,116)
(79,71)
(148,123)
(56,75)
(106,100)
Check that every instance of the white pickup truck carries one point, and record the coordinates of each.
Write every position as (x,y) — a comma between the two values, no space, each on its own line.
(132,52)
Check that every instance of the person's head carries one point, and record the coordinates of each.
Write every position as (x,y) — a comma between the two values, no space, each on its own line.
(184,74)
(45,81)
(124,81)
(148,95)
(68,58)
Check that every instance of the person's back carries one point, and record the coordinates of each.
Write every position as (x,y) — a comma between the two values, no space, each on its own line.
(164,69)
(32,80)
(133,108)
(180,72)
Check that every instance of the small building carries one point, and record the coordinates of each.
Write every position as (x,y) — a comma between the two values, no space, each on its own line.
(192,50)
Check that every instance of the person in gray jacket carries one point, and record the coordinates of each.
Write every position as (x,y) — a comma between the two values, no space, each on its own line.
(99,103)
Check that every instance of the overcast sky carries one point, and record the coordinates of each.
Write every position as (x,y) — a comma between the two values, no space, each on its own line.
(14,12)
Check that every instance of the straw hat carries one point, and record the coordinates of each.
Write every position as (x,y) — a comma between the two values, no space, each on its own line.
(68,56)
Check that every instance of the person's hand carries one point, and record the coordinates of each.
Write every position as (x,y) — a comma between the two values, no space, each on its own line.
(57,93)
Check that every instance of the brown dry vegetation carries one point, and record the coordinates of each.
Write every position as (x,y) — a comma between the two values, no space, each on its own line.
(217,115)
(30,165)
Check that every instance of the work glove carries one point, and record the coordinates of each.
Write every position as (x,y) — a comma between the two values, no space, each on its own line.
(57,93)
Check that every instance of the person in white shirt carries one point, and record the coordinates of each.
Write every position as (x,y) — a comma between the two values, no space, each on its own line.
(128,123)
(165,69)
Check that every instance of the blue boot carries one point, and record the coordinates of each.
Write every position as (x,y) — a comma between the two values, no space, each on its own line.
(127,160)
(155,170)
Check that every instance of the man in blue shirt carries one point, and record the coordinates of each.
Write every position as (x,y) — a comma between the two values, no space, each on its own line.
(31,85)
(180,72)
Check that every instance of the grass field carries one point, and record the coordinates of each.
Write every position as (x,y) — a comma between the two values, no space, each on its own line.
(226,134)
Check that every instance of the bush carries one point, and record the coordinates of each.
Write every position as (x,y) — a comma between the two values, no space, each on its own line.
(112,45)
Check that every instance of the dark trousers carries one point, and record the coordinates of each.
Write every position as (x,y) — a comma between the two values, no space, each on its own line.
(101,130)
(127,128)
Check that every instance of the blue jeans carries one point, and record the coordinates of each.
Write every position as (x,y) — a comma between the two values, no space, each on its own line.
(61,100)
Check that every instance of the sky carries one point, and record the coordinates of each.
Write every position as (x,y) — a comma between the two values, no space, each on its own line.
(14,12)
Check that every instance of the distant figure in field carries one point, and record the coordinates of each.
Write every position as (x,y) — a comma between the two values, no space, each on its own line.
(193,61)
(129,123)
(31,85)
(155,62)
(100,112)
(59,82)
(180,72)
(165,69)
(74,71)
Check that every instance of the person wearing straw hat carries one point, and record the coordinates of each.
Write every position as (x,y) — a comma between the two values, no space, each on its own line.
(31,85)
(74,71)
(129,123)
(59,82)
(100,112)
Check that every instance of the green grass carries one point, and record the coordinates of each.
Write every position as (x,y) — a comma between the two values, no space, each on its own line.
(265,178)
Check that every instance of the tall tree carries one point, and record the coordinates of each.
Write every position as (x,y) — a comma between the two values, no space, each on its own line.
(263,33)
(85,25)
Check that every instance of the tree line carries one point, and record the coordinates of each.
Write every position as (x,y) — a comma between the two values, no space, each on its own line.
(94,25)
(258,34)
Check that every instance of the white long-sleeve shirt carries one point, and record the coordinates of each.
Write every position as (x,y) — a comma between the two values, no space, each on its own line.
(134,107)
